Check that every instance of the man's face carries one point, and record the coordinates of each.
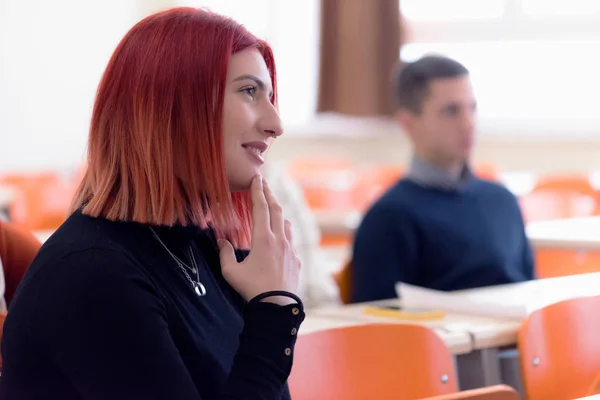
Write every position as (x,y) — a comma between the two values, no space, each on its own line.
(444,130)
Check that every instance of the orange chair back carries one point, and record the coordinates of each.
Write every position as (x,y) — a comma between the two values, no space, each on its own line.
(496,392)
(546,205)
(570,195)
(551,263)
(373,182)
(595,388)
(559,349)
(486,171)
(379,361)
(343,279)
(328,184)
(17,250)
(41,200)
(566,183)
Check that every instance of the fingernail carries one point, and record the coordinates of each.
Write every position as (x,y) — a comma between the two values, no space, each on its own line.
(220,243)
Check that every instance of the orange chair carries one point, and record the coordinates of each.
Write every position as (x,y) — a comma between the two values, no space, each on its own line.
(328,184)
(545,204)
(343,280)
(497,392)
(41,200)
(486,171)
(17,251)
(378,361)
(551,263)
(373,181)
(18,248)
(595,388)
(560,351)
(577,183)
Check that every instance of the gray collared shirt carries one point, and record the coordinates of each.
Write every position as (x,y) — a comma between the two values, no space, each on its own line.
(429,175)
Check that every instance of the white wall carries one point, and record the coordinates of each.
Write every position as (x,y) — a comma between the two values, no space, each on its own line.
(292,30)
(52,55)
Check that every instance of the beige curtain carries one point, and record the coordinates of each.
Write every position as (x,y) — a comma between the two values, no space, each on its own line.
(360,46)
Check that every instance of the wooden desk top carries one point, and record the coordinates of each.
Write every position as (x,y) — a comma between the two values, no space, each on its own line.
(485,332)
(457,338)
(571,233)
(337,222)
(535,295)
(481,332)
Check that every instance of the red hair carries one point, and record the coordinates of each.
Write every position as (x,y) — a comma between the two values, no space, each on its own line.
(155,151)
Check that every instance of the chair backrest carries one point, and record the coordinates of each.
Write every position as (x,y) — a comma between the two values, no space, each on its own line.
(486,171)
(40,200)
(373,181)
(576,183)
(559,349)
(378,361)
(550,263)
(343,280)
(18,248)
(595,388)
(496,392)
(547,204)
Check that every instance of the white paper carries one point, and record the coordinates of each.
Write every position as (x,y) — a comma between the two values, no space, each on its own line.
(463,303)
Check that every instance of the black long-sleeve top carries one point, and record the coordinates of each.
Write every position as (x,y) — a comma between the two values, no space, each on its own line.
(104,312)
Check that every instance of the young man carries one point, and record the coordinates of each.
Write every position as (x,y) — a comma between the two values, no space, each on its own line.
(440,227)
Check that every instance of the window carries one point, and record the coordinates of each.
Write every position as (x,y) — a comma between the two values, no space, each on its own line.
(292,29)
(434,10)
(533,63)
(560,7)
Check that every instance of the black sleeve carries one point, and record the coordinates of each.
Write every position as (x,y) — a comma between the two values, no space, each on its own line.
(107,330)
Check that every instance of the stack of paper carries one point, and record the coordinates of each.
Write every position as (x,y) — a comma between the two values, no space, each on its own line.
(476,305)
(515,300)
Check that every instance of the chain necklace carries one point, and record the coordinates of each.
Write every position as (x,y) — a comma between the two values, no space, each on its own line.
(196,284)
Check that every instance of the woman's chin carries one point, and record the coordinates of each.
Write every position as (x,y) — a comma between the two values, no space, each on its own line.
(240,185)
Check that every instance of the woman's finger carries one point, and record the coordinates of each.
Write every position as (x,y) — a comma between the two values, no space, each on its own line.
(275,210)
(260,208)
(288,231)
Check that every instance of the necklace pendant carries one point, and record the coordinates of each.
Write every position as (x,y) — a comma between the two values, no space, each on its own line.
(200,289)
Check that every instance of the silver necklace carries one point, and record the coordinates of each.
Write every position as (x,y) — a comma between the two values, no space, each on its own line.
(196,284)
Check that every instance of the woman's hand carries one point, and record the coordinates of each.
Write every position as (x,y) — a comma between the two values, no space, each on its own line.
(272,263)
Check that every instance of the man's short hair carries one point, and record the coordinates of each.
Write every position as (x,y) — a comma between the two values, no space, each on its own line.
(412,81)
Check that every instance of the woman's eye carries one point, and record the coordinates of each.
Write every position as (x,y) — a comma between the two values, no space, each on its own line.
(251,91)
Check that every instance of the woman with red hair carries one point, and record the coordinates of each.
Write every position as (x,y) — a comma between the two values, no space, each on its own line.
(140,293)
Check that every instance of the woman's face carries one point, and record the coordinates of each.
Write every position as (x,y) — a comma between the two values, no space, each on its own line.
(250,120)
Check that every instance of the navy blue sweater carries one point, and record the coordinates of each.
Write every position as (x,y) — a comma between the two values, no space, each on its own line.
(105,313)
(440,239)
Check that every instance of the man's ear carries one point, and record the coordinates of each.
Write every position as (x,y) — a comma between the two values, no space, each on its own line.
(406,119)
